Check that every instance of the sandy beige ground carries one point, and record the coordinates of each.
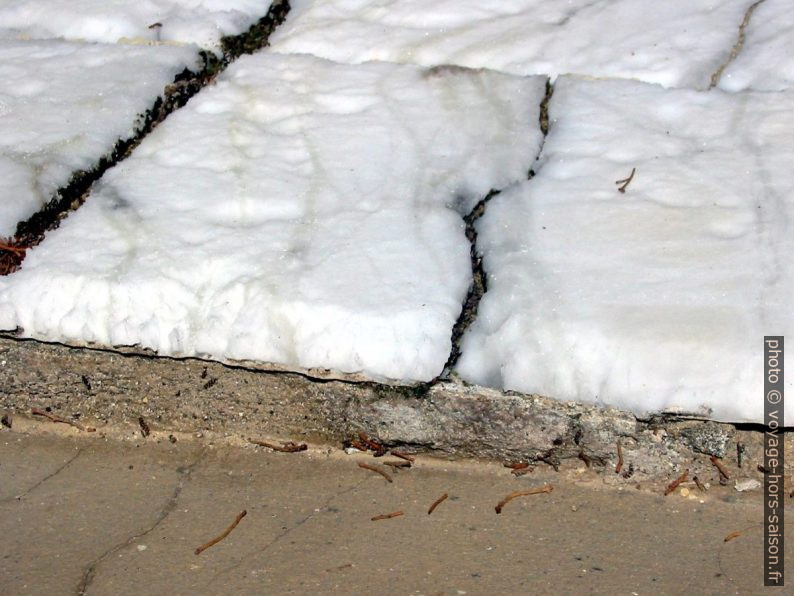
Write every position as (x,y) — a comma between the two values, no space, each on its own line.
(112,517)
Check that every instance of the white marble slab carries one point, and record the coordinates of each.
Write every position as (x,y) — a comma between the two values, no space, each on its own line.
(677,43)
(200,22)
(766,59)
(653,300)
(64,105)
(298,212)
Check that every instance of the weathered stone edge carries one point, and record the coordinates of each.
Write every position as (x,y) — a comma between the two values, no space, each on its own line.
(107,390)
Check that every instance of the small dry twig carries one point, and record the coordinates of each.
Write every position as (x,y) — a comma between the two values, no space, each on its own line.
(17,250)
(674,484)
(11,256)
(619,465)
(546,488)
(376,470)
(53,418)
(699,484)
(387,515)
(625,181)
(731,536)
(397,464)
(521,465)
(437,502)
(379,449)
(720,466)
(225,533)
(405,456)
(288,447)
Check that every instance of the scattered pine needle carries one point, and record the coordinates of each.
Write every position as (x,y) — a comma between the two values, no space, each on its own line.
(288,447)
(731,536)
(17,250)
(11,256)
(405,456)
(619,465)
(379,449)
(521,465)
(720,466)
(376,470)
(624,182)
(397,464)
(675,483)
(546,488)
(226,532)
(437,502)
(53,418)
(387,515)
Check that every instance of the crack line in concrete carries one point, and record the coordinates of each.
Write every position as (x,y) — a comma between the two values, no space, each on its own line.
(479,283)
(186,84)
(89,573)
(737,47)
(45,479)
(288,531)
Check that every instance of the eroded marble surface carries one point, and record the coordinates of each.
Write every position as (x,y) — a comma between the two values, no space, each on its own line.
(298,212)
(200,22)
(64,105)
(656,299)
(676,43)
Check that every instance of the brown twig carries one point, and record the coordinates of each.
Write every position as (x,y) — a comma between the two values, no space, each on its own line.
(387,515)
(288,447)
(404,456)
(521,465)
(145,430)
(720,466)
(17,250)
(53,418)
(379,449)
(546,488)
(699,484)
(437,502)
(625,181)
(674,484)
(226,532)
(731,536)
(518,468)
(376,470)
(619,465)
(397,464)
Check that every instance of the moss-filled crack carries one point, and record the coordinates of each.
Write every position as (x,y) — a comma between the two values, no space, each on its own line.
(186,84)
(479,277)
(737,46)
